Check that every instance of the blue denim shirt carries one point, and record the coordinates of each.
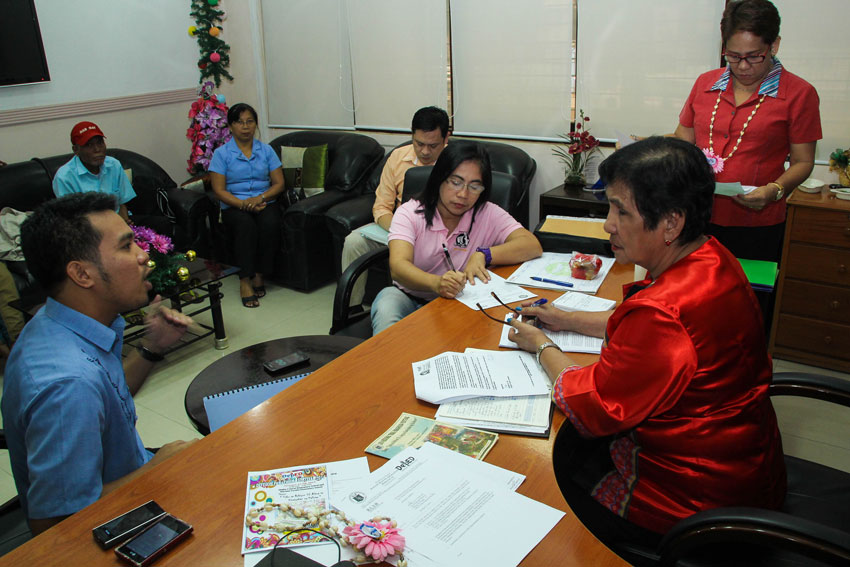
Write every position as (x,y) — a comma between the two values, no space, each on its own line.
(68,415)
(74,177)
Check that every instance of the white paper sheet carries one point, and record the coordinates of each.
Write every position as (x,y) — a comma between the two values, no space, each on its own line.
(556,266)
(480,293)
(449,507)
(574,301)
(515,410)
(567,341)
(452,376)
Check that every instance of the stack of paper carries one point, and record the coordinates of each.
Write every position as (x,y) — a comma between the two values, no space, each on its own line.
(506,392)
(449,507)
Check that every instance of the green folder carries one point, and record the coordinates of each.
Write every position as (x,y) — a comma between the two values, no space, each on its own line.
(760,273)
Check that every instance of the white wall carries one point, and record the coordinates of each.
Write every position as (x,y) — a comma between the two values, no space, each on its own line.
(158,132)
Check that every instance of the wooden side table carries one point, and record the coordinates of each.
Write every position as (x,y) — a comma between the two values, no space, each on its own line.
(573,201)
(811,321)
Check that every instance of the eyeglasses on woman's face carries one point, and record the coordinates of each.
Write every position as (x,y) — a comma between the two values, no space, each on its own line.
(248,123)
(751,59)
(458,184)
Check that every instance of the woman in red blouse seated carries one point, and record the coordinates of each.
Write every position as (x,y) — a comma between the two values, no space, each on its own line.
(682,382)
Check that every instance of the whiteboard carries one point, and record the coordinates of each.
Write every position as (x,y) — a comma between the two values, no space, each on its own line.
(104,49)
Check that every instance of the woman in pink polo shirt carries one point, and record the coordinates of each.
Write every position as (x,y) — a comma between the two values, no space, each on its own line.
(452,212)
(749,117)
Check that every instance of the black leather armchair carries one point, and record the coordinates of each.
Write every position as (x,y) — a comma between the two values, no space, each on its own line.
(347,216)
(25,185)
(307,259)
(353,320)
(812,528)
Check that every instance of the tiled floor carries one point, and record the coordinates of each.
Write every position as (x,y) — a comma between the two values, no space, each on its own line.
(810,429)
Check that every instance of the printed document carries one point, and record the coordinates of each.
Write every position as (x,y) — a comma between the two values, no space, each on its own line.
(481,293)
(449,507)
(556,266)
(504,413)
(567,341)
(457,376)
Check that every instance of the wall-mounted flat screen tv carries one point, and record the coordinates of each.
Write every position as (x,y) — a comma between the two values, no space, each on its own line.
(22,58)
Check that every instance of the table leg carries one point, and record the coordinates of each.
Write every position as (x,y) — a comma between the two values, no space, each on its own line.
(218,319)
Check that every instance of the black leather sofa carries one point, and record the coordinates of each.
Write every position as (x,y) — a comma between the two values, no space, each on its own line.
(307,261)
(25,185)
(344,217)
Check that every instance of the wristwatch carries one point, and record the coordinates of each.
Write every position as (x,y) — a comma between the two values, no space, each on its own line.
(780,192)
(488,258)
(149,355)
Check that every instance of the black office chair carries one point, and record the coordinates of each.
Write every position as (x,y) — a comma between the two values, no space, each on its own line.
(812,528)
(353,320)
(14,530)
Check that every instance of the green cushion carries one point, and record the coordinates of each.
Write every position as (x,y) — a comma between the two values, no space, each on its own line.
(304,168)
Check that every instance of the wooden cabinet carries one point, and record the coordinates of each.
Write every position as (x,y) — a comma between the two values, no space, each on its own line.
(811,322)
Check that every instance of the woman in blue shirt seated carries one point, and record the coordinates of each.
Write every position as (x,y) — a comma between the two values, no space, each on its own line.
(246,177)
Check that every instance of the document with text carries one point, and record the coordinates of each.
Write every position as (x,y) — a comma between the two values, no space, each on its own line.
(567,341)
(481,293)
(454,376)
(449,507)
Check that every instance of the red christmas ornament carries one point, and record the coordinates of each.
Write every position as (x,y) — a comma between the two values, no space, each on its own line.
(202,65)
(215,57)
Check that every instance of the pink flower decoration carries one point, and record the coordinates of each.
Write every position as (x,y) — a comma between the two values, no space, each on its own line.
(715,161)
(162,243)
(378,539)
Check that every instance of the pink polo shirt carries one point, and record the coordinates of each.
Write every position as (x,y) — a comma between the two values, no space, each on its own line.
(492,227)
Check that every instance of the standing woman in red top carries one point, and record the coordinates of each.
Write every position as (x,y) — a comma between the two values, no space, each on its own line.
(748,118)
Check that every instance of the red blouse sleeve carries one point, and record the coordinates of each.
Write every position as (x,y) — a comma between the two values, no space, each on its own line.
(643,371)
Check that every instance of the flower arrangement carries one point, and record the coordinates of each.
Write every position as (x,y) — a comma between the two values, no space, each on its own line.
(166,270)
(580,145)
(208,128)
(839,161)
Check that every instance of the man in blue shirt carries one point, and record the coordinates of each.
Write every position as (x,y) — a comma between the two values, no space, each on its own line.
(92,170)
(68,411)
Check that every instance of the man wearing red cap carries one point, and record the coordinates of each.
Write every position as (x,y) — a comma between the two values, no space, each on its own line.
(92,170)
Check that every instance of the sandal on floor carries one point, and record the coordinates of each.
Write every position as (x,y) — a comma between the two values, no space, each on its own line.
(260,290)
(246,301)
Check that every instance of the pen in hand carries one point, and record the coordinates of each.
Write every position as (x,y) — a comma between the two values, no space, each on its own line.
(449,258)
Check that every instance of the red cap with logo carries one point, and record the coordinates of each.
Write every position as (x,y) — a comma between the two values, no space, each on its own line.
(82,132)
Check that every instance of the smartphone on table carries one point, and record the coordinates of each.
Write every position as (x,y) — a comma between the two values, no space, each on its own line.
(126,525)
(157,539)
(279,365)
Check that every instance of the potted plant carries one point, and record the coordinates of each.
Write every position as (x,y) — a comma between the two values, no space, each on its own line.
(839,161)
(579,145)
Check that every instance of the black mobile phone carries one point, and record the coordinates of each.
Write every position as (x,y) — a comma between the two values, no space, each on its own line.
(126,525)
(280,364)
(157,538)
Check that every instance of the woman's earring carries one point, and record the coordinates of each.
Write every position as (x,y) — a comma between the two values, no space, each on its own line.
(668,242)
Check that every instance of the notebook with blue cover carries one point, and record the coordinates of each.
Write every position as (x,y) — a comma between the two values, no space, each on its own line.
(225,407)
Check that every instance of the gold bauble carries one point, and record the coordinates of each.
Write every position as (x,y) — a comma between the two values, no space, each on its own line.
(151,264)
(191,255)
(183,273)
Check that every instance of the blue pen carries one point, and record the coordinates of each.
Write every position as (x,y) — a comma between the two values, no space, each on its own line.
(556,282)
(537,303)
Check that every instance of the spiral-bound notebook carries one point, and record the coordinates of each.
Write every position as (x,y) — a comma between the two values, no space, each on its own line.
(225,407)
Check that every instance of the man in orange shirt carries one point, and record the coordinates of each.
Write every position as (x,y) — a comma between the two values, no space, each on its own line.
(430,133)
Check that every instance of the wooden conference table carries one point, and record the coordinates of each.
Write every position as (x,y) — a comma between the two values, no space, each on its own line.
(333,415)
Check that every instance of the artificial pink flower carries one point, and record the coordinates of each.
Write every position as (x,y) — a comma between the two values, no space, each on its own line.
(715,161)
(378,539)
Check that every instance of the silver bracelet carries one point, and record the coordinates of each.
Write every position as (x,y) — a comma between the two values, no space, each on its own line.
(544,346)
